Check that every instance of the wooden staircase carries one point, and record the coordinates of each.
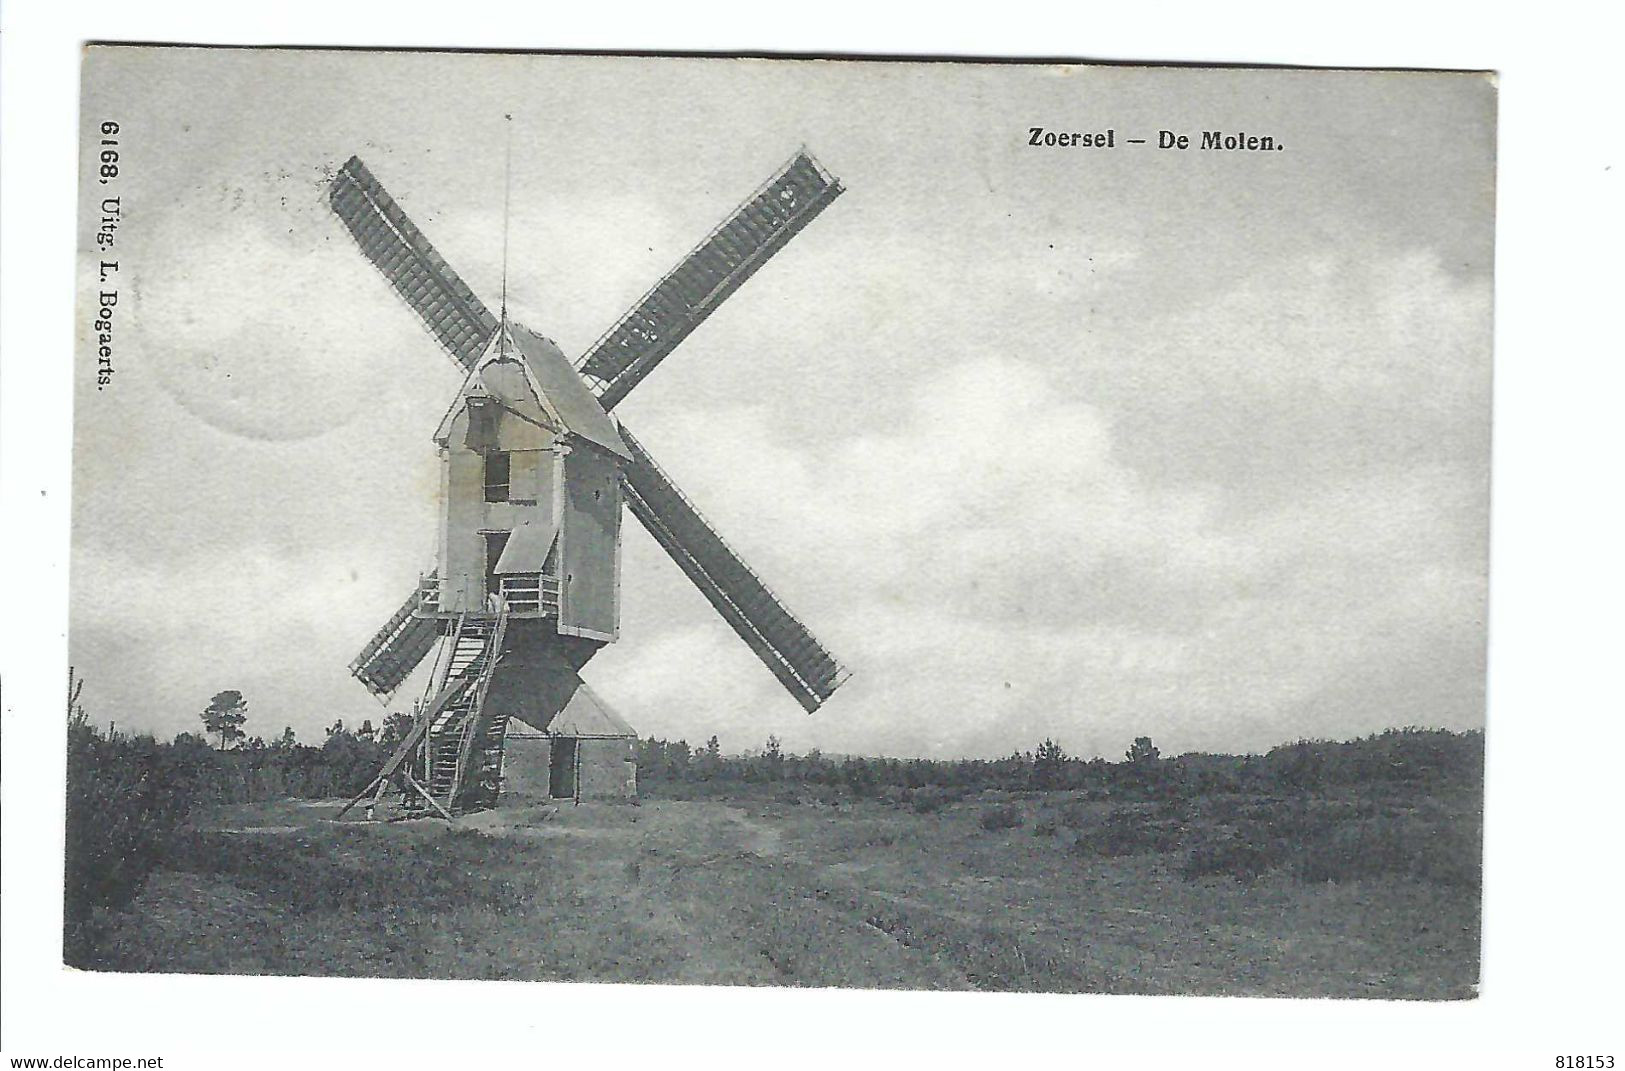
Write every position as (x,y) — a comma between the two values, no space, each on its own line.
(451,761)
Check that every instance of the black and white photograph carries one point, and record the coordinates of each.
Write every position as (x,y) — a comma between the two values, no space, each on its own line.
(535,544)
(1119,437)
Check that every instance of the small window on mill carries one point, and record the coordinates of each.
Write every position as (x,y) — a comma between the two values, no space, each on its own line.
(496,477)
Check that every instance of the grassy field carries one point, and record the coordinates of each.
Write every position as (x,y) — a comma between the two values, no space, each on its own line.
(1350,897)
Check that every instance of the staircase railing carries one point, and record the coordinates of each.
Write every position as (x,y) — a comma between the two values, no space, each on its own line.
(448,654)
(473,722)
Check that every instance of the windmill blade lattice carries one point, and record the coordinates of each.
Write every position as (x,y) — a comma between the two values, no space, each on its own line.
(397,648)
(802,664)
(690,292)
(418,273)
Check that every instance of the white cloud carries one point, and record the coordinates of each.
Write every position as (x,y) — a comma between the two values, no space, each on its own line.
(995,574)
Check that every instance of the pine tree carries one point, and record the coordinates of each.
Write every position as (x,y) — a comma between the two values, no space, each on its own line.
(1143,750)
(1048,763)
(224,716)
(396,728)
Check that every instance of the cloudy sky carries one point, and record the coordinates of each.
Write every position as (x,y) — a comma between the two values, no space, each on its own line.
(1058,442)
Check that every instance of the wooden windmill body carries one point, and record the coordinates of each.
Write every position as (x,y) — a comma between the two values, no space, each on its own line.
(535,474)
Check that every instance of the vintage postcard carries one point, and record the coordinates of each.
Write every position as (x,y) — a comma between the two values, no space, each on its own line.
(780,522)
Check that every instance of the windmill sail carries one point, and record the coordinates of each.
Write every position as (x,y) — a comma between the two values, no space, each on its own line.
(397,648)
(420,275)
(802,664)
(728,256)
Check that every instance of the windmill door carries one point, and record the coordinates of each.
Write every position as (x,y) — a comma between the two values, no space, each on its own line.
(562,782)
(494,543)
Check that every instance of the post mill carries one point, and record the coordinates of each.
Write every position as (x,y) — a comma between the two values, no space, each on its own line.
(534,474)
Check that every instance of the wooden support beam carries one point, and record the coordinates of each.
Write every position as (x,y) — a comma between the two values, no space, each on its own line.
(377,797)
(376,782)
(425,794)
(404,750)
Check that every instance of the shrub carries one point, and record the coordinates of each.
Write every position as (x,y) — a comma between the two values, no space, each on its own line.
(1049,764)
(829,795)
(1356,850)
(1444,853)
(125,799)
(1232,856)
(1175,810)
(1220,808)
(1433,757)
(1002,816)
(1340,841)
(927,802)
(1130,831)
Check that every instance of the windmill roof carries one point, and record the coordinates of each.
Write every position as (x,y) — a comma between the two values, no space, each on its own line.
(551,392)
(568,396)
(584,715)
